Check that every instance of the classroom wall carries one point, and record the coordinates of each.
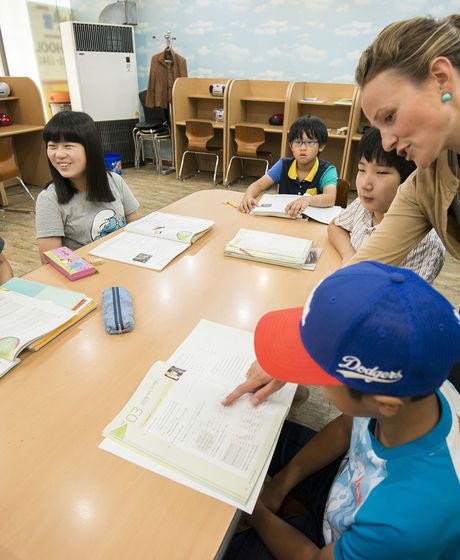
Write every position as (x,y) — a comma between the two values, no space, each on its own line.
(301,40)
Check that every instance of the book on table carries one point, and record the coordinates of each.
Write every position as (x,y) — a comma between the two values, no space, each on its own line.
(275,205)
(271,248)
(32,314)
(154,240)
(175,425)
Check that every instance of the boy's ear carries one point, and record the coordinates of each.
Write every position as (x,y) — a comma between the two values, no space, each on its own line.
(442,71)
(388,406)
(321,147)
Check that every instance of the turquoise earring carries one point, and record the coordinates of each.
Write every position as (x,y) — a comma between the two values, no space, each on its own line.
(446,97)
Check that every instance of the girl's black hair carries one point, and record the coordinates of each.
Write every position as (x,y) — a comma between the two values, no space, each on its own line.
(75,126)
(314,127)
(370,148)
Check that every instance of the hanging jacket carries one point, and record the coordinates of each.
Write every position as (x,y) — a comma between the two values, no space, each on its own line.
(165,67)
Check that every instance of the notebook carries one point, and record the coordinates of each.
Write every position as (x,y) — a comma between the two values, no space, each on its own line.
(274,205)
(271,248)
(153,241)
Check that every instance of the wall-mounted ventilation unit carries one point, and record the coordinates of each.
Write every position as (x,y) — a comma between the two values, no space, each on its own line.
(101,71)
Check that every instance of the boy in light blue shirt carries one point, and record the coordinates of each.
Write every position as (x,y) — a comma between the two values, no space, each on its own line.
(381,481)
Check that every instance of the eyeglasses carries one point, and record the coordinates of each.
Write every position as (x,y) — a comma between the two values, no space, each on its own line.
(308,143)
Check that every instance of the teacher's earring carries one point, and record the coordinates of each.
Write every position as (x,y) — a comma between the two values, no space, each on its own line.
(446,97)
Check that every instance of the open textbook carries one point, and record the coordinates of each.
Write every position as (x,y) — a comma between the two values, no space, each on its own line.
(275,204)
(77,302)
(271,248)
(154,240)
(24,320)
(175,425)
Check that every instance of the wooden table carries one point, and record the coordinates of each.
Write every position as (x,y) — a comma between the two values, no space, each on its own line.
(61,496)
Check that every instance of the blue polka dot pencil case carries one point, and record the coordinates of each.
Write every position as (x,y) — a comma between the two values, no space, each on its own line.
(117,310)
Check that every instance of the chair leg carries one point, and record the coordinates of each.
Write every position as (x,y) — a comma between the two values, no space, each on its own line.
(3,197)
(215,170)
(242,168)
(266,166)
(182,165)
(226,184)
(21,182)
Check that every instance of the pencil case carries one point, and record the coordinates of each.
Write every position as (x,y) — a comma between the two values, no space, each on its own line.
(117,310)
(69,263)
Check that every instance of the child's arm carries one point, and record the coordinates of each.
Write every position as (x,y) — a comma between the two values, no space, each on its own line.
(326,446)
(248,202)
(284,541)
(6,271)
(340,239)
(46,244)
(323,200)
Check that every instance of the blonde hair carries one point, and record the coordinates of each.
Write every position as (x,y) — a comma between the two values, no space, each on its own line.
(409,46)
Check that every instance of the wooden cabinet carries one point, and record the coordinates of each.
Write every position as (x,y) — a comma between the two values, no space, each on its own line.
(358,121)
(191,99)
(333,103)
(252,103)
(24,106)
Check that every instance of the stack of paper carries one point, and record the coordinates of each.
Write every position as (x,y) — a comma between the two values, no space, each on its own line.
(175,425)
(269,248)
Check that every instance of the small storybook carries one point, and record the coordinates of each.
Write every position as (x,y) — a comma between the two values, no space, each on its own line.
(271,248)
(68,263)
(153,241)
(175,425)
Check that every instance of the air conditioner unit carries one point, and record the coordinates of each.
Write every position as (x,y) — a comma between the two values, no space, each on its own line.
(101,68)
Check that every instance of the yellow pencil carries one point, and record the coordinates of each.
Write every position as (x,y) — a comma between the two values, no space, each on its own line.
(231,204)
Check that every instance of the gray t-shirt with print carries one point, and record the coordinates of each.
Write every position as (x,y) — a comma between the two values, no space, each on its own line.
(81,221)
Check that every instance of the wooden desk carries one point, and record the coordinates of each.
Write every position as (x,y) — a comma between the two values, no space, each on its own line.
(61,496)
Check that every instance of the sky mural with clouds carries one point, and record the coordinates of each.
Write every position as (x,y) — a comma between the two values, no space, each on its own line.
(300,40)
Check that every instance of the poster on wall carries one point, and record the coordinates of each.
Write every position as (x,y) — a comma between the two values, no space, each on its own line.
(44,22)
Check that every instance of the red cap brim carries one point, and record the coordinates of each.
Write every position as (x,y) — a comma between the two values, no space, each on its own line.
(281,353)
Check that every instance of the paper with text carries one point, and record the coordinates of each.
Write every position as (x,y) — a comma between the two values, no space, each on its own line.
(176,419)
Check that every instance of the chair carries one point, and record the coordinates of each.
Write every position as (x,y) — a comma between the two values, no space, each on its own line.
(9,170)
(198,134)
(248,140)
(341,198)
(154,129)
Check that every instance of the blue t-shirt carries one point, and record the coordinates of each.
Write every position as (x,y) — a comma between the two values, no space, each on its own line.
(401,502)
(322,173)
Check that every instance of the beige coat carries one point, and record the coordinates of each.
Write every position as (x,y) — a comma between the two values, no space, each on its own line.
(422,201)
(165,67)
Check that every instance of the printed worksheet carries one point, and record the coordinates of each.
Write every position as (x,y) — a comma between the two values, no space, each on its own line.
(175,416)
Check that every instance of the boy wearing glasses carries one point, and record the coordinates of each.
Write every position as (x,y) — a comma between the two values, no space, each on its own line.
(313,179)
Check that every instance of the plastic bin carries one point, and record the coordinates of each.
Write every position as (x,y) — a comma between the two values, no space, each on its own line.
(113,162)
(59,101)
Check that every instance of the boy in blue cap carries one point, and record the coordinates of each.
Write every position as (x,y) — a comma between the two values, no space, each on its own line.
(381,480)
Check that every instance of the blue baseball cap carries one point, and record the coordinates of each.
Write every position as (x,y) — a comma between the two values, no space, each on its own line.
(376,328)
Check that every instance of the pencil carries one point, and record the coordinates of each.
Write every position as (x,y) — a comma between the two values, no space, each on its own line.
(231,204)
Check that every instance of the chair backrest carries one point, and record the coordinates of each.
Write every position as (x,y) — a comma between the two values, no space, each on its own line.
(8,164)
(248,139)
(152,115)
(343,187)
(198,135)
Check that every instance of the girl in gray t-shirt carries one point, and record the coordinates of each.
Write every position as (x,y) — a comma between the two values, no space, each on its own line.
(84,201)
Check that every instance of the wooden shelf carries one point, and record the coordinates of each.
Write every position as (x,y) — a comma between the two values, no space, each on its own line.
(321,103)
(14,129)
(264,99)
(215,124)
(266,127)
(9,98)
(206,96)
